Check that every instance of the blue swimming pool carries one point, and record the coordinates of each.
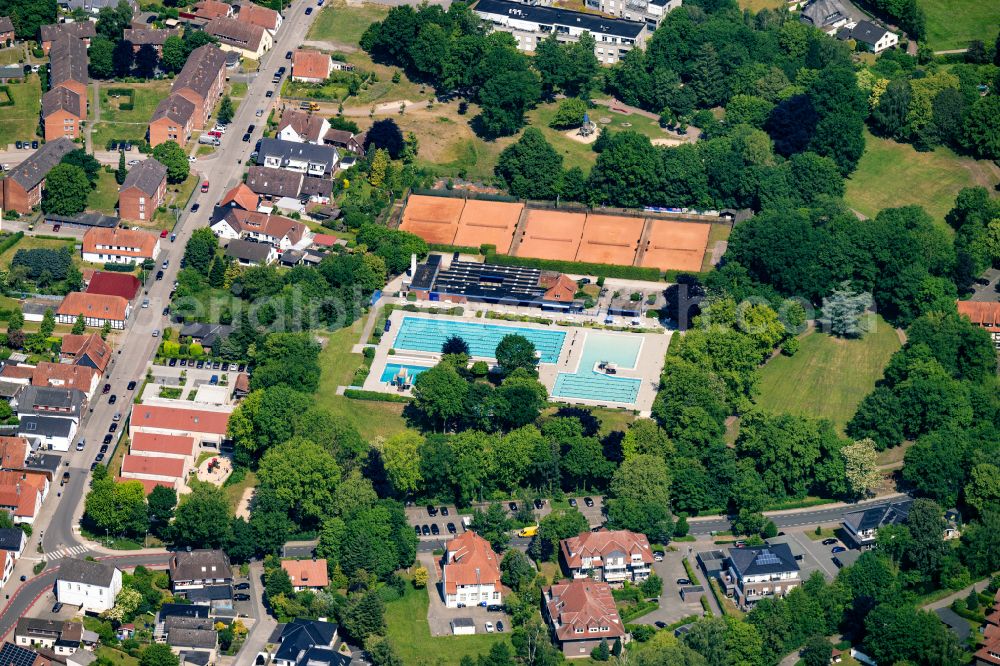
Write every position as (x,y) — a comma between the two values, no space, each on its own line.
(427,335)
(587,384)
(392,369)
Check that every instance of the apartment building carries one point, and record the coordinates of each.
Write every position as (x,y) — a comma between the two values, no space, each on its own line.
(609,556)
(143,191)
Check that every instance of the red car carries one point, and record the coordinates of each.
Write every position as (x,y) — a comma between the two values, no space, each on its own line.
(163,234)
(204,186)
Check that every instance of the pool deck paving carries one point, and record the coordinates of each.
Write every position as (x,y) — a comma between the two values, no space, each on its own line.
(648,364)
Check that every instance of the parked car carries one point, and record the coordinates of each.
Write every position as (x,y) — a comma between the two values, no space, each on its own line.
(113,427)
(79,445)
(269,94)
(451,528)
(106,389)
(572,501)
(164,233)
(588,501)
(425,530)
(34,145)
(204,186)
(99,457)
(837,549)
(513,506)
(657,557)
(172,362)
(444,511)
(246,138)
(56,607)
(107,439)
(432,510)
(194,209)
(683,581)
(499,625)
(241,586)
(241,597)
(494,608)
(93,466)
(435,530)
(131,385)
(539,503)
(159,275)
(489,627)
(416,528)
(55,227)
(117,417)
(829,542)
(113,399)
(309,11)
(288,55)
(104,448)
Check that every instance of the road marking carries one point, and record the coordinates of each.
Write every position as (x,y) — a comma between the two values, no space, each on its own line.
(64,552)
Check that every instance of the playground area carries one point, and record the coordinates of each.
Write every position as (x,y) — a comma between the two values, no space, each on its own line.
(214,470)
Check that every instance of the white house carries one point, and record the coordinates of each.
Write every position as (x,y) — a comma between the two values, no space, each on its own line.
(92,586)
(8,567)
(279,232)
(762,571)
(874,37)
(120,246)
(304,158)
(301,127)
(471,572)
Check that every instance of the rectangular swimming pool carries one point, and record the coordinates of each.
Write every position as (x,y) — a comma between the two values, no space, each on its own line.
(428,335)
(588,384)
(393,369)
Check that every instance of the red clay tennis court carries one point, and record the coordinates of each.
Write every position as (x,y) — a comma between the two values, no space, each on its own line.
(610,239)
(435,219)
(550,234)
(676,245)
(488,223)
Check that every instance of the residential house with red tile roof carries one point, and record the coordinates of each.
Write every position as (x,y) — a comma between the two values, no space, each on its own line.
(470,572)
(61,113)
(87,349)
(207,427)
(13,452)
(22,493)
(240,196)
(279,232)
(988,652)
(125,285)
(249,12)
(984,315)
(6,31)
(97,309)
(159,469)
(56,375)
(610,556)
(311,66)
(306,574)
(211,9)
(120,246)
(201,81)
(22,188)
(582,613)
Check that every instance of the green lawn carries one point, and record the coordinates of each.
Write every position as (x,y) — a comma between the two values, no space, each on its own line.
(145,98)
(829,376)
(116,657)
(20,121)
(104,198)
(893,174)
(12,55)
(342,24)
(952,24)
(338,365)
(406,619)
(238,89)
(104,132)
(29,243)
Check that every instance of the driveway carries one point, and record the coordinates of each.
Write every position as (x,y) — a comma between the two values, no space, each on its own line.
(439,616)
(817,556)
(672,607)
(987,293)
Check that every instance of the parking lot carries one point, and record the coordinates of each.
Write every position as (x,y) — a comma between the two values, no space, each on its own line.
(672,607)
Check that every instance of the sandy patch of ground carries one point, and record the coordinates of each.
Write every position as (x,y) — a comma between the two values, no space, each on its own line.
(219,474)
(574,134)
(243,506)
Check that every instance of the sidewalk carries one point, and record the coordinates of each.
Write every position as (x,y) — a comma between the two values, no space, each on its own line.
(961,594)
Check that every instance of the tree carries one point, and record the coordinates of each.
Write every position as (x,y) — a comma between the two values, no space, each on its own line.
(516,571)
(861,463)
(601,652)
(927,550)
(303,475)
(48,323)
(217,274)
(203,518)
(570,113)
(121,172)
(172,156)
(530,167)
(66,190)
(161,501)
(983,488)
(639,497)
(705,77)
(266,418)
(554,527)
(79,326)
(817,652)
(385,134)
(628,172)
(81,158)
(111,21)
(287,358)
(28,16)
(146,61)
(455,345)
(492,525)
(504,98)
(889,117)
(200,249)
(116,508)
(401,460)
(440,393)
(982,127)
(175,54)
(122,57)
(158,654)
(843,311)
(101,58)
(277,582)
(896,634)
(226,110)
(364,616)
(749,110)
(980,548)
(515,351)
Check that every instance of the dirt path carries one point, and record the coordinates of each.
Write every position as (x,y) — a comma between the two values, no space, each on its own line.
(332,46)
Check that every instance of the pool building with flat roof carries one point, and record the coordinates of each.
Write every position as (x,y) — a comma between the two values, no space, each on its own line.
(577,365)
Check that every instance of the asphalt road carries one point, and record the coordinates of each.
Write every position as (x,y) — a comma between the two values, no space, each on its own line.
(795,518)
(56,525)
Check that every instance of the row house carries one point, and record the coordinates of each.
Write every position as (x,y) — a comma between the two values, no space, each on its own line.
(63,113)
(22,188)
(87,350)
(68,64)
(254,14)
(204,426)
(274,184)
(172,120)
(82,30)
(154,37)
(123,246)
(143,191)
(200,83)
(610,556)
(55,375)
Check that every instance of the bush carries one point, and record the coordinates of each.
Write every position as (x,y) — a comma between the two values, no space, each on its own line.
(8,98)
(790,347)
(375,396)
(577,267)
(123,92)
(641,632)
(119,268)
(10,241)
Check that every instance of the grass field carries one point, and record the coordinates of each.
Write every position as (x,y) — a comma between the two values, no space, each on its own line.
(757,5)
(104,198)
(829,376)
(338,365)
(20,121)
(12,55)
(406,619)
(104,132)
(893,174)
(146,97)
(30,243)
(341,24)
(952,24)
(116,657)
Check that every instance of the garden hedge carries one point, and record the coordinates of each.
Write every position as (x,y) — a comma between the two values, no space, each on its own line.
(578,267)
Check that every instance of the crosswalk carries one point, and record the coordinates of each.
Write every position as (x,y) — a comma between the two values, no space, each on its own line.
(75,551)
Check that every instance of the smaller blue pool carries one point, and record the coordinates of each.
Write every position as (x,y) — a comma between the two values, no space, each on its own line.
(393,369)
(588,384)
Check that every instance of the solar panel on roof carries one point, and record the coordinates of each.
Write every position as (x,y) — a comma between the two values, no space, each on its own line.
(767,557)
(12,655)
